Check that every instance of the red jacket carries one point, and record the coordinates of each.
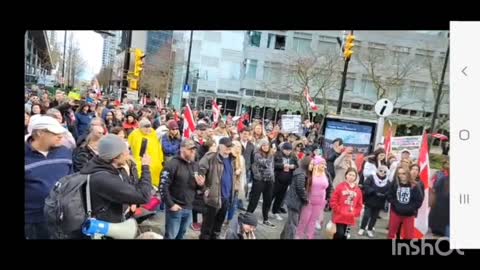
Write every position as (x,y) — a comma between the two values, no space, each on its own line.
(346,204)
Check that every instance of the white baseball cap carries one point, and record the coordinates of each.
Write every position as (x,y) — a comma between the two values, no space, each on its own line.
(45,122)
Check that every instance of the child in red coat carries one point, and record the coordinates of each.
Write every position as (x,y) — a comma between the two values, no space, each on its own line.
(346,203)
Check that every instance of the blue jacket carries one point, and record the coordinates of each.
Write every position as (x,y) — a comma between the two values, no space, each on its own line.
(171,147)
(83,122)
(41,174)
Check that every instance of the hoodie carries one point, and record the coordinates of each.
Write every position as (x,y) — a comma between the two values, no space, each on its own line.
(346,204)
(375,191)
(405,198)
(110,191)
(281,175)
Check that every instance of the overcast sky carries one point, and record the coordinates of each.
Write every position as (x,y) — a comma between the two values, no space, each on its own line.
(91,46)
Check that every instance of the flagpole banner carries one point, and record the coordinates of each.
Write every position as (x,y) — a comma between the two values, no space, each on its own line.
(421,220)
(410,143)
(292,124)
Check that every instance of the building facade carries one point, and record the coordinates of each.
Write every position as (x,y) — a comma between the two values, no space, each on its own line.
(38,61)
(110,45)
(248,67)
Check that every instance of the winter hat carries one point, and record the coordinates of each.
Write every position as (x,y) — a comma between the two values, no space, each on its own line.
(248,219)
(264,142)
(317,160)
(145,123)
(287,146)
(110,147)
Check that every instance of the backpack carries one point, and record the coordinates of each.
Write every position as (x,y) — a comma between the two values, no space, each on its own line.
(65,206)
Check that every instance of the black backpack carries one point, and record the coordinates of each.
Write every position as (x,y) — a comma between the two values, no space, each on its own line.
(66,208)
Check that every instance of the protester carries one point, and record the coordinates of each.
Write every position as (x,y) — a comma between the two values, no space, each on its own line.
(37,109)
(27,120)
(199,204)
(415,175)
(248,152)
(154,149)
(68,112)
(88,150)
(239,179)
(243,228)
(258,135)
(318,194)
(111,194)
(333,154)
(342,164)
(376,160)
(97,121)
(218,168)
(84,116)
(131,122)
(171,141)
(405,198)
(110,121)
(285,163)
(68,140)
(263,178)
(346,203)
(46,162)
(199,137)
(296,198)
(180,181)
(375,190)
(439,216)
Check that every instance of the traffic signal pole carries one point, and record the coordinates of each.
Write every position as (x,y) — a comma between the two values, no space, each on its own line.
(344,81)
(126,63)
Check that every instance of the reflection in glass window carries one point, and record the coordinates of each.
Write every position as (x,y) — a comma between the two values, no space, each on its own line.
(251,69)
(302,45)
(230,70)
(255,38)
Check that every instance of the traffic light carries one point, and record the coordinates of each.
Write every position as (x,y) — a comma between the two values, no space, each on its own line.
(139,55)
(347,50)
(133,84)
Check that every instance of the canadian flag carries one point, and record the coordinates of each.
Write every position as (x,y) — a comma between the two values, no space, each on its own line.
(216,111)
(310,99)
(188,123)
(388,142)
(421,221)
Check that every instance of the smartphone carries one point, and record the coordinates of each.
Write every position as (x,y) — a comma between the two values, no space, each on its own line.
(143,148)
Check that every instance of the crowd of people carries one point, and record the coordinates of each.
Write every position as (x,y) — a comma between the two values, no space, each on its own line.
(138,153)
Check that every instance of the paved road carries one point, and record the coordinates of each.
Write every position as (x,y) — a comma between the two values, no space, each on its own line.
(157,224)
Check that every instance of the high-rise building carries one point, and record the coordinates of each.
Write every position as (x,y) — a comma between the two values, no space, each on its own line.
(38,61)
(110,44)
(248,71)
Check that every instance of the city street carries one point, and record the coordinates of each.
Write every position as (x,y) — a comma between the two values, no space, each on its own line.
(157,224)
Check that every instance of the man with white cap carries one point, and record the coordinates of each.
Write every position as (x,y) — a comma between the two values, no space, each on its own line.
(111,193)
(46,161)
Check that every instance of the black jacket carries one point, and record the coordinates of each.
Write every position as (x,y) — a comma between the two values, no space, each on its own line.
(375,196)
(110,192)
(81,156)
(248,153)
(280,175)
(201,149)
(405,199)
(331,156)
(297,196)
(262,167)
(178,183)
(66,111)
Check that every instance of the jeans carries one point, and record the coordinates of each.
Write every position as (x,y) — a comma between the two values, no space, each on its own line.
(232,208)
(36,231)
(176,223)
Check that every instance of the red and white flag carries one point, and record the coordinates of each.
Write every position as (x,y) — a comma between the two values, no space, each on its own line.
(421,221)
(440,136)
(216,111)
(188,123)
(388,142)
(310,99)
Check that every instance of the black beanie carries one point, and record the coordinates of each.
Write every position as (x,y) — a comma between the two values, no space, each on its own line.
(248,219)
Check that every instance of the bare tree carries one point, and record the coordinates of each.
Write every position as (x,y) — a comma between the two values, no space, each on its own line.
(320,72)
(104,76)
(158,72)
(435,66)
(388,70)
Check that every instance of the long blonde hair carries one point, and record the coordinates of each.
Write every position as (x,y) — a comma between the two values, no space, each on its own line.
(237,153)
